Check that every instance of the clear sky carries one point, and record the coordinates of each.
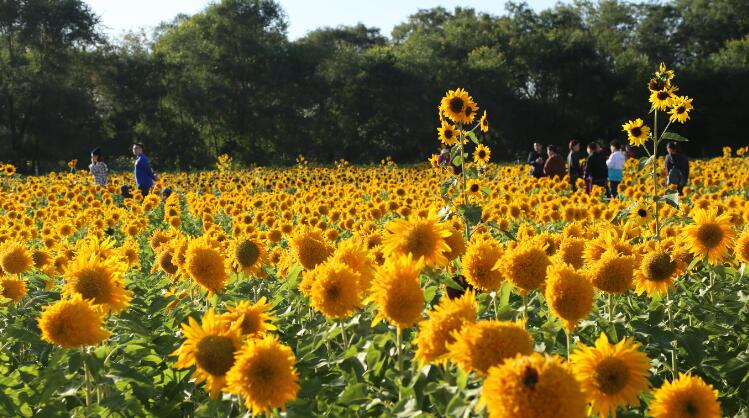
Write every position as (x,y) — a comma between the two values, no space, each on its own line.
(118,16)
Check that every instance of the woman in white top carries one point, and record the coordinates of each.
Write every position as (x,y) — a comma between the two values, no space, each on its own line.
(98,169)
(615,163)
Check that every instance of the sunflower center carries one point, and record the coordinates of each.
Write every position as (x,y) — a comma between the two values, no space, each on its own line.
(530,376)
(680,110)
(247,253)
(642,213)
(263,373)
(610,376)
(215,354)
(482,154)
(93,284)
(636,131)
(448,133)
(690,409)
(469,111)
(456,105)
(658,266)
(710,235)
(250,324)
(474,188)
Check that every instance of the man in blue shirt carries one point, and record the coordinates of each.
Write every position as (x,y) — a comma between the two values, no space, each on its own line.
(144,176)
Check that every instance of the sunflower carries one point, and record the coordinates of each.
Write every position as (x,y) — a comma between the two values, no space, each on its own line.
(72,323)
(710,235)
(457,244)
(473,187)
(15,258)
(612,272)
(533,386)
(335,290)
(663,98)
(247,255)
(99,281)
(484,344)
(611,375)
(210,346)
(436,333)
(264,375)
(448,134)
(165,261)
(571,251)
(642,214)
(422,237)
(13,289)
(569,294)
(687,397)
(353,253)
(741,250)
(480,265)
(397,292)
(680,108)
(255,317)
(484,123)
(205,264)
(525,266)
(310,248)
(657,271)
(9,170)
(637,132)
(458,106)
(481,155)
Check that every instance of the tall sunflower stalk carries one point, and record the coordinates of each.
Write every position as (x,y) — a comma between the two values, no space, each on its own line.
(663,98)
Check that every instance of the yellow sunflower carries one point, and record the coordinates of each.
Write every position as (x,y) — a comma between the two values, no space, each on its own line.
(485,344)
(569,294)
(481,155)
(484,123)
(264,375)
(663,98)
(353,253)
(72,323)
(741,250)
(397,292)
(255,317)
(210,346)
(613,272)
(422,237)
(310,248)
(480,265)
(525,266)
(247,255)
(657,271)
(611,375)
(458,106)
(13,289)
(9,170)
(680,108)
(533,386)
(687,397)
(436,333)
(448,134)
(100,281)
(205,264)
(710,235)
(335,290)
(15,258)
(637,132)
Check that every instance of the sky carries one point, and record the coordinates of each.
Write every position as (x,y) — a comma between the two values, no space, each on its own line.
(119,16)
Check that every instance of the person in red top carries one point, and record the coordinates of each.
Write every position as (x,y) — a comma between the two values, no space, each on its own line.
(554,166)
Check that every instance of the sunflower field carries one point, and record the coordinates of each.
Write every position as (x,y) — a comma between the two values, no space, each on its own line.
(457,289)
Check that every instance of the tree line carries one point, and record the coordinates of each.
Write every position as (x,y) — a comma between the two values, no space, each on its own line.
(229,80)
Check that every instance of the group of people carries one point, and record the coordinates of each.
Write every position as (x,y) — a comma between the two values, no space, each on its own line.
(144,175)
(600,168)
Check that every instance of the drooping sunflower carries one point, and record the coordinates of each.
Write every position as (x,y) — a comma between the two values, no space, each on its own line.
(458,106)
(484,123)
(210,346)
(264,375)
(687,397)
(525,266)
(657,271)
(448,134)
(397,292)
(15,258)
(335,290)
(569,294)
(13,289)
(533,386)
(422,237)
(481,155)
(480,265)
(72,323)
(247,255)
(256,318)
(165,260)
(680,108)
(611,375)
(637,132)
(310,248)
(485,344)
(710,235)
(205,264)
(613,272)
(100,281)
(436,332)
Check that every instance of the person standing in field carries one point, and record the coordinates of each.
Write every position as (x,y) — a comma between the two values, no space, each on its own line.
(554,166)
(573,163)
(98,168)
(144,176)
(615,164)
(596,172)
(536,159)
(677,167)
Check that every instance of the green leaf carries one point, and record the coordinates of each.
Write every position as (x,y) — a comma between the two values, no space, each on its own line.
(672,199)
(673,136)
(504,294)
(473,137)
(471,213)
(457,161)
(644,162)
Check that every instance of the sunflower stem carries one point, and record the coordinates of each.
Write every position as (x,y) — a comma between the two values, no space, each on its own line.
(494,303)
(674,344)
(400,355)
(656,139)
(525,306)
(343,333)
(567,336)
(611,308)
(86,377)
